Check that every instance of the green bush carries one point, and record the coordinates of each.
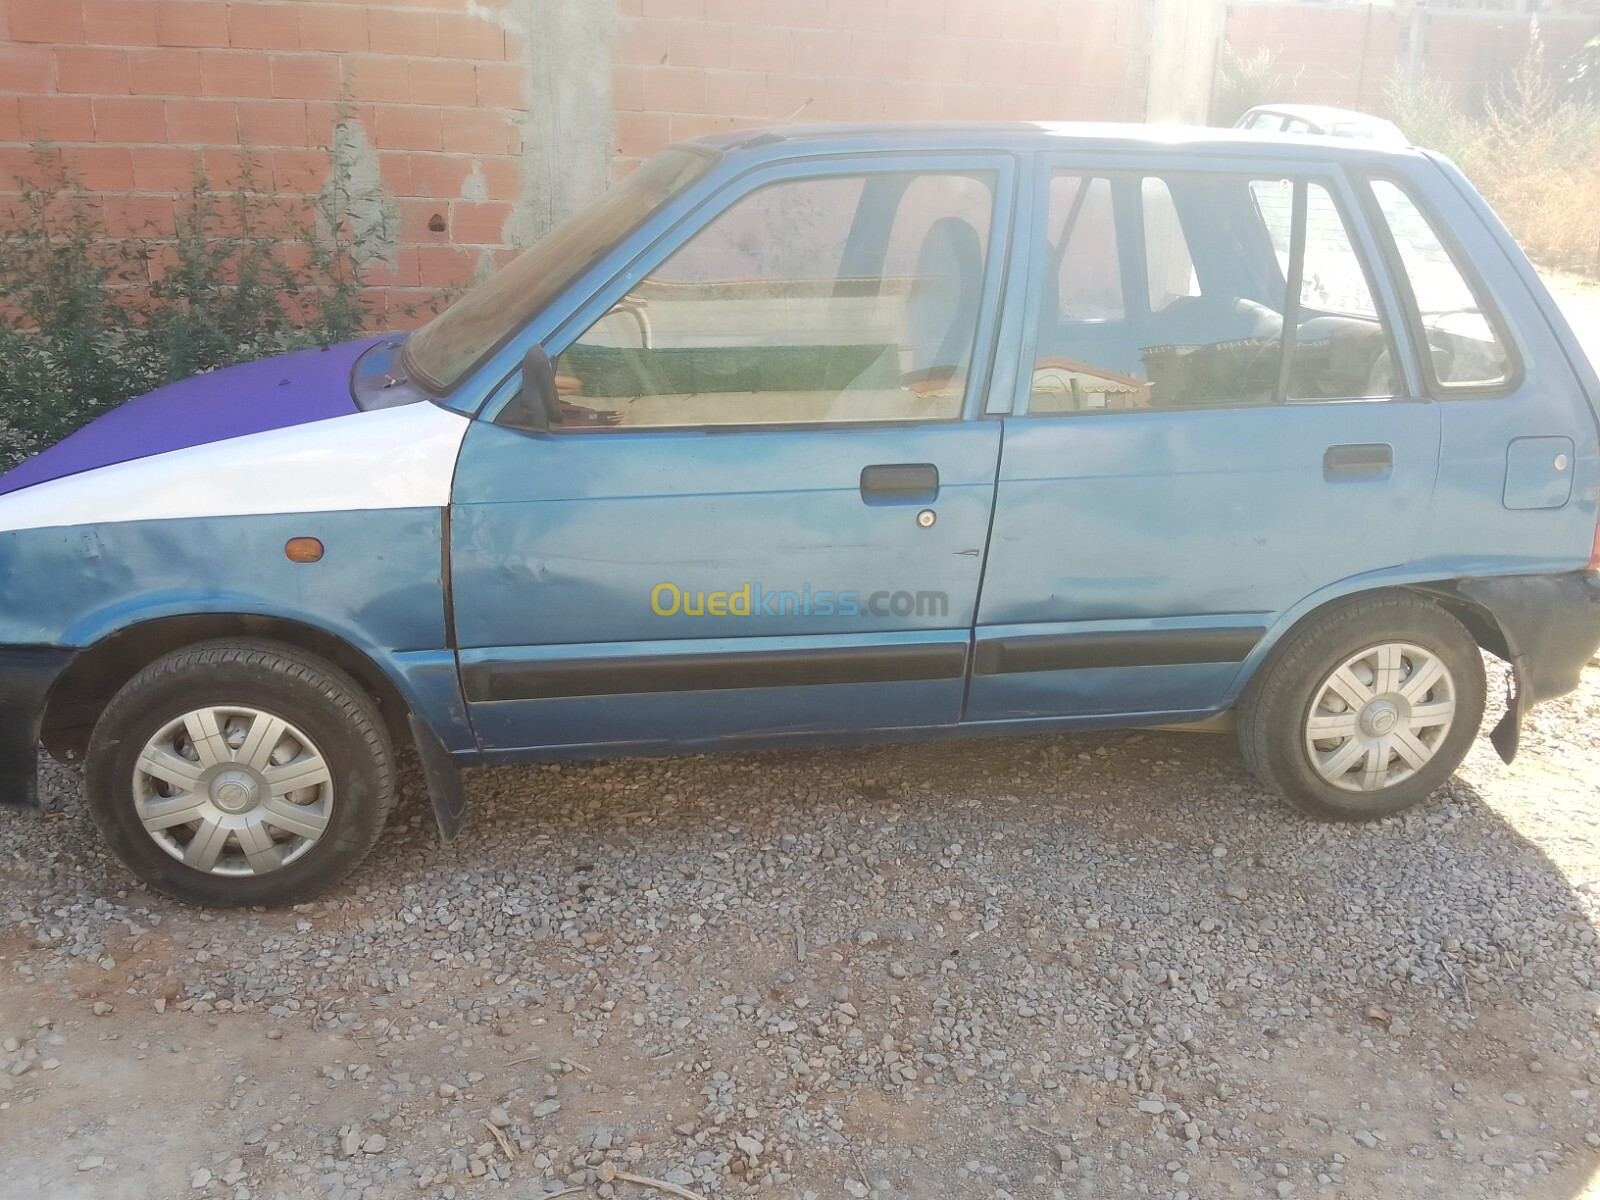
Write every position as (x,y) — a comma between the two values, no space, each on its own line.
(1429,114)
(1530,148)
(1529,142)
(1243,83)
(87,322)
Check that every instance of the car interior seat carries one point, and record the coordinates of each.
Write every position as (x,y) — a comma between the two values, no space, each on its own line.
(941,312)
(1206,320)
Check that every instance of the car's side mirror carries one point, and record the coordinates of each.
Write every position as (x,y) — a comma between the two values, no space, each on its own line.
(537,406)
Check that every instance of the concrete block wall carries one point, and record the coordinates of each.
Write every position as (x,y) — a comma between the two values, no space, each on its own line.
(1350,55)
(488,120)
(689,67)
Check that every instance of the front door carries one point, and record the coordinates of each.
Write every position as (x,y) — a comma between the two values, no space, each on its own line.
(765,508)
(1219,425)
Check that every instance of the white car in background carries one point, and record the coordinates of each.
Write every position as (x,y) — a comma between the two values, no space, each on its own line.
(1320,119)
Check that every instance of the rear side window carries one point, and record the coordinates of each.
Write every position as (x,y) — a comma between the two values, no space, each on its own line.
(1334,280)
(1466,349)
(1236,290)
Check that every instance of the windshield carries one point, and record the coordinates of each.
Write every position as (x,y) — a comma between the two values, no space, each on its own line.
(442,352)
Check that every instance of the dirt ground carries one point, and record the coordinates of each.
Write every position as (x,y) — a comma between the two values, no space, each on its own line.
(1324,1044)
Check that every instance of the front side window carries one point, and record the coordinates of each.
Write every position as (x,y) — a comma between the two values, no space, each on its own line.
(841,299)
(1248,291)
(442,353)
(1465,346)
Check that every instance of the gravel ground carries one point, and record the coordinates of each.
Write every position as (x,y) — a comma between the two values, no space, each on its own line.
(1089,965)
(1093,965)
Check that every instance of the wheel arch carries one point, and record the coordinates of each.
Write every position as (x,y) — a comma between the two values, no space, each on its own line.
(99,671)
(1479,620)
(1384,775)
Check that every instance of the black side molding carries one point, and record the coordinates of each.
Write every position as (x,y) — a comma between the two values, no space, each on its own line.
(488,682)
(1087,651)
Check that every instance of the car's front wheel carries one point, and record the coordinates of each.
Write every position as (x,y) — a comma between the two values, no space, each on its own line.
(1366,710)
(240,773)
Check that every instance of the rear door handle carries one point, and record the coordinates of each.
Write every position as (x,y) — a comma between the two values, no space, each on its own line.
(900,483)
(1357,459)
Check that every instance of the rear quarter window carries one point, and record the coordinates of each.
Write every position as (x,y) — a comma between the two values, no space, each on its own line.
(1462,331)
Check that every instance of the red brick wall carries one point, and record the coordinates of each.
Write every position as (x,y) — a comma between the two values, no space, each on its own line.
(139,95)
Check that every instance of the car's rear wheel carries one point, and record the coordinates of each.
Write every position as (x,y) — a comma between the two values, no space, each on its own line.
(240,773)
(1366,710)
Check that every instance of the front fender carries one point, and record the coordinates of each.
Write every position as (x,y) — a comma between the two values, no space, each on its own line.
(379,584)
(379,588)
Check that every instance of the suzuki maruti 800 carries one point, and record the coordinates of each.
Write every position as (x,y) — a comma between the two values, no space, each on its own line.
(823,435)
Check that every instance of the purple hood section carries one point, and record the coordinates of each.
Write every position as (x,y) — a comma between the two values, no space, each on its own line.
(291,389)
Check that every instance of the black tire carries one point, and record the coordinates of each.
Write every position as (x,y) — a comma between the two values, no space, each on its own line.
(1277,703)
(288,683)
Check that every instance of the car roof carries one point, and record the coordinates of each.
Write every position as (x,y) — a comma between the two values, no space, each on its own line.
(1040,135)
(1328,117)
(1320,112)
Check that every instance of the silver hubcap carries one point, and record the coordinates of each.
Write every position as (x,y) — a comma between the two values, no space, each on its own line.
(233,791)
(1380,717)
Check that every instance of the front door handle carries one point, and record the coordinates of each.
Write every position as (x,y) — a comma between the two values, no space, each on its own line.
(900,483)
(1357,460)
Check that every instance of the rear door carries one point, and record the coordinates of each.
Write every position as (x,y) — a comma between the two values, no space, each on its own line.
(1215,421)
(765,509)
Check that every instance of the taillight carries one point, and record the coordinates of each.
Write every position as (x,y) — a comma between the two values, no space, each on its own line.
(1594,555)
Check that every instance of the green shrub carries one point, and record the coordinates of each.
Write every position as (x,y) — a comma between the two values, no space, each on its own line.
(1428,113)
(1535,156)
(1529,142)
(87,322)
(1242,83)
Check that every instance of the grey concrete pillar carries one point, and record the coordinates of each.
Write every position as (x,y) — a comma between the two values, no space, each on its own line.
(1185,38)
(570,126)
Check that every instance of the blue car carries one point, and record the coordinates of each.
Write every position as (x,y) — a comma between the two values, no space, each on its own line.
(825,435)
